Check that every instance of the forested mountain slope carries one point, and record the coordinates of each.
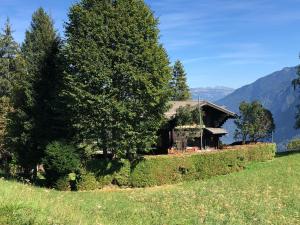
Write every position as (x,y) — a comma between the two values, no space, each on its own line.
(276,93)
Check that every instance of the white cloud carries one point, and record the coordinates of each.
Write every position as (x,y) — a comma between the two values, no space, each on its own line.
(239,53)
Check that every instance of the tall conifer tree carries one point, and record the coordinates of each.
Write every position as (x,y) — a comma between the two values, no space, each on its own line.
(11,66)
(180,89)
(41,49)
(32,121)
(117,75)
(9,51)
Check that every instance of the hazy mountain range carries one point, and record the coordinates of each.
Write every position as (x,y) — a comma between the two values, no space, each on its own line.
(276,93)
(212,94)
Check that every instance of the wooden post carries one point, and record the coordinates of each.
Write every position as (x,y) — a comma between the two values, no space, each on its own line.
(200,124)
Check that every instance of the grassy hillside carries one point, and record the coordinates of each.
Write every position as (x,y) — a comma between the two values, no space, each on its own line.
(264,193)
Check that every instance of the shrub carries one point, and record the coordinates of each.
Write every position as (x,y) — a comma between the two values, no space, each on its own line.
(294,145)
(122,177)
(110,171)
(63,184)
(40,179)
(208,165)
(13,168)
(87,182)
(104,180)
(170,169)
(60,160)
(161,170)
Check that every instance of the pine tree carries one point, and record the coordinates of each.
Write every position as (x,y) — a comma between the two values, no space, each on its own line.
(9,50)
(180,89)
(41,51)
(32,121)
(11,68)
(117,75)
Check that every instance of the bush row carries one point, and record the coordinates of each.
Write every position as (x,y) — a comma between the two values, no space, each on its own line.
(294,145)
(173,169)
(160,170)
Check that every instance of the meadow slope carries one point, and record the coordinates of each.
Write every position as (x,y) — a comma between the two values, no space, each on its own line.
(264,193)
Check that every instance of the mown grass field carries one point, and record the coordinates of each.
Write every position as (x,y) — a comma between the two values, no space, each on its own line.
(264,193)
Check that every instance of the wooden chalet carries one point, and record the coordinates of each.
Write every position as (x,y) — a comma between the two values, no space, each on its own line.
(202,137)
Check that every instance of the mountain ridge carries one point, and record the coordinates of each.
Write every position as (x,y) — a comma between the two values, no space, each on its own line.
(276,93)
(212,94)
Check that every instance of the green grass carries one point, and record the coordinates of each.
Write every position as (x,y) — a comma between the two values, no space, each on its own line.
(264,193)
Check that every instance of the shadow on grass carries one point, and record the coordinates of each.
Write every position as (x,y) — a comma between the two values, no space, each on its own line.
(135,162)
(283,154)
(104,167)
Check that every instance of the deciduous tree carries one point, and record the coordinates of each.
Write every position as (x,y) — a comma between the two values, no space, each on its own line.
(254,122)
(117,75)
(189,115)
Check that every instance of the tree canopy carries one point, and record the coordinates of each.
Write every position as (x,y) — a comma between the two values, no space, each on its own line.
(116,75)
(179,87)
(254,122)
(9,51)
(31,125)
(189,115)
(11,68)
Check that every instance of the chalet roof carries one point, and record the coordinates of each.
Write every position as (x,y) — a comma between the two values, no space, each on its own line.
(177,104)
(216,130)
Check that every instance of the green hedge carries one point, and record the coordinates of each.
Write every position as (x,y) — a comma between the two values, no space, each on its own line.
(63,184)
(87,182)
(294,145)
(159,170)
(170,169)
(110,172)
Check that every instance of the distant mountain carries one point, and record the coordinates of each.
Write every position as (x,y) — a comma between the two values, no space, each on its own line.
(276,93)
(212,94)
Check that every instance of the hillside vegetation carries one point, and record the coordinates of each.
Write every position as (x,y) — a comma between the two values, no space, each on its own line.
(269,90)
(159,170)
(264,193)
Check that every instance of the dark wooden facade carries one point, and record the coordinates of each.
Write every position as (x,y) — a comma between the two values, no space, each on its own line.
(180,138)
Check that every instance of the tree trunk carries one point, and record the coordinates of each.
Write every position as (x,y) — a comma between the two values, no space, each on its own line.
(105,154)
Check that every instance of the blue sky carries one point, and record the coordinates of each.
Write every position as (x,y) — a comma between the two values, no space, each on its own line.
(221,42)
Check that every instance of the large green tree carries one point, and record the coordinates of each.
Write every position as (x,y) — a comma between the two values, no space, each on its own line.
(189,115)
(254,122)
(10,60)
(179,87)
(41,51)
(117,75)
(31,126)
